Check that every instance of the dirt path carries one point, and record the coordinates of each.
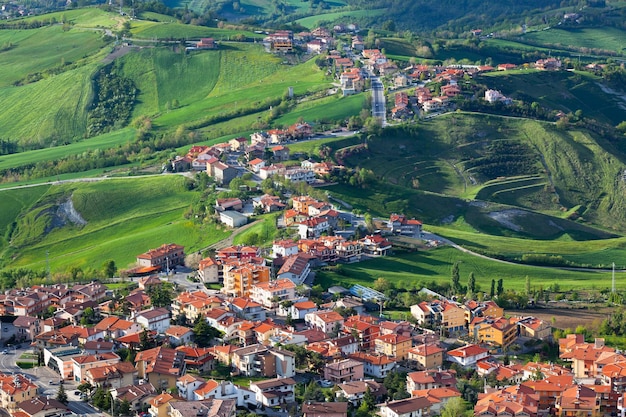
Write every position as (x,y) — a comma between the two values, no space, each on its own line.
(224,243)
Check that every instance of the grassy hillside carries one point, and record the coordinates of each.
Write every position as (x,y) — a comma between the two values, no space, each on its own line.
(124,217)
(562,90)
(598,38)
(417,269)
(507,161)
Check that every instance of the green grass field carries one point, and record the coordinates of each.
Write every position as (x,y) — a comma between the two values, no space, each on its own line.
(108,140)
(125,217)
(419,268)
(261,234)
(600,38)
(312,22)
(164,30)
(37,50)
(326,109)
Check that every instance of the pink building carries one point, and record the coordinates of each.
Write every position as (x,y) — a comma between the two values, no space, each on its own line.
(343,371)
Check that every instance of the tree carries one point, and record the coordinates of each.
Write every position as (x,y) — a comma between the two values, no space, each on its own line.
(455,278)
(61,395)
(313,392)
(492,292)
(145,341)
(471,284)
(500,287)
(109,268)
(160,296)
(454,408)
(203,332)
(124,408)
(369,400)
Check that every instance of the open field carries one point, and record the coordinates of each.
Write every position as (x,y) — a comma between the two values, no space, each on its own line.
(326,109)
(165,30)
(37,50)
(261,234)
(601,38)
(124,217)
(314,21)
(414,270)
(566,318)
(108,140)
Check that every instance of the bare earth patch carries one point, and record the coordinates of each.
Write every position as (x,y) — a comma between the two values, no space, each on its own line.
(566,318)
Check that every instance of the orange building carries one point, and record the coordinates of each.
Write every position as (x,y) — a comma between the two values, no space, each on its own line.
(239,278)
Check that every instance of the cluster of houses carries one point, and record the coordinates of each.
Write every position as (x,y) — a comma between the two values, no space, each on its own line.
(358,349)
(316,41)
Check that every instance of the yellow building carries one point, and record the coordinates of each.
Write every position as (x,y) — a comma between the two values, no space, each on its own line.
(14,389)
(159,405)
(160,366)
(452,317)
(394,345)
(496,332)
(239,278)
(427,356)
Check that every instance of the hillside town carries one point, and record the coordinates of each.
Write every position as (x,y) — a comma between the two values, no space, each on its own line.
(250,332)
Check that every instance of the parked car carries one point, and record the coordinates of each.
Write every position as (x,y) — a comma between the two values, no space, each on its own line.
(324,383)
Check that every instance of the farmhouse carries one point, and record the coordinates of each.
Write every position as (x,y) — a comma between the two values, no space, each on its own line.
(167,256)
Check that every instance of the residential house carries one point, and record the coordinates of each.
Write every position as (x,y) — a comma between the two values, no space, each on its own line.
(409,407)
(281,153)
(156,319)
(187,384)
(222,173)
(394,345)
(313,227)
(204,408)
(205,43)
(209,271)
(327,321)
(499,332)
(354,391)
(296,268)
(584,358)
(284,248)
(117,375)
(256,164)
(438,397)
(159,405)
(534,328)
(27,328)
(375,245)
(260,360)
(114,327)
(274,392)
(268,203)
(179,335)
(226,390)
(344,370)
(399,224)
(80,364)
(164,257)
(377,366)
(247,309)
(41,406)
(15,389)
(576,401)
(324,409)
(137,395)
(160,366)
(427,356)
(94,347)
(298,310)
(270,293)
(238,144)
(429,379)
(198,358)
(467,356)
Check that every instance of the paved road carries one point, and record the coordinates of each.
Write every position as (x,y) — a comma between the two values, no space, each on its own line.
(378,101)
(47,380)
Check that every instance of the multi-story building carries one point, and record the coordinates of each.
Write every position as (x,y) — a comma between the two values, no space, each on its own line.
(344,371)
(274,392)
(160,366)
(270,293)
(156,319)
(14,389)
(327,321)
(427,356)
(394,345)
(164,257)
(240,277)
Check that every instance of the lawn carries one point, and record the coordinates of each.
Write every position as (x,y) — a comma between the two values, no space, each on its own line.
(125,217)
(165,30)
(261,234)
(414,270)
(12,203)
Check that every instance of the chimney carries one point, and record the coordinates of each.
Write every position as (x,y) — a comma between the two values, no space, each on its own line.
(599,343)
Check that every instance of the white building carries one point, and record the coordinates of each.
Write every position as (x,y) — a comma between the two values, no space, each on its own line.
(157,319)
(409,407)
(265,293)
(274,392)
(232,218)
(327,321)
